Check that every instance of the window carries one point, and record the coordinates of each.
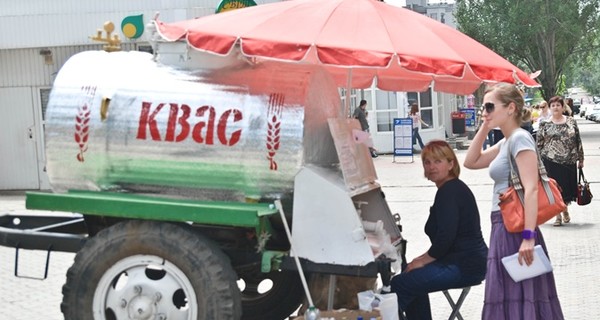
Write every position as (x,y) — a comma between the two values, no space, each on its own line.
(44,97)
(144,48)
(425,104)
(387,110)
(440,111)
(353,100)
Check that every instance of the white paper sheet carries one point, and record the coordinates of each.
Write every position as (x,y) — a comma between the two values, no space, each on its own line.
(518,272)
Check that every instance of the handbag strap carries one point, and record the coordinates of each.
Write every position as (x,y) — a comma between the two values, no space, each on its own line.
(581,177)
(515,181)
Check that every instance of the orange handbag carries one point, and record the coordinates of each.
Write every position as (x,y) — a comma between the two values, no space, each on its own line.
(550,201)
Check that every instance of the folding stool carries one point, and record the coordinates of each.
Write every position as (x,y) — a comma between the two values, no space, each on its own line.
(456,306)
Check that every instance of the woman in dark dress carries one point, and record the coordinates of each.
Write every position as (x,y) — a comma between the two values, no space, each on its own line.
(458,254)
(560,147)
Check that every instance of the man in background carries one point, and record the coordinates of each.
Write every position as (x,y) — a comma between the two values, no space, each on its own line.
(360,113)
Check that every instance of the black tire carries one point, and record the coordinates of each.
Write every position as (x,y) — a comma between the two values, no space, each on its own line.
(283,298)
(139,268)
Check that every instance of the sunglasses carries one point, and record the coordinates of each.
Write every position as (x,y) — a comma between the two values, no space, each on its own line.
(489,107)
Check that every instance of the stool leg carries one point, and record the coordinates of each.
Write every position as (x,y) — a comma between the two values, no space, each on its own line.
(455,313)
(402,316)
(456,307)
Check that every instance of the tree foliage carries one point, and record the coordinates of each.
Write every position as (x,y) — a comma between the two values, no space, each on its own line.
(533,34)
(584,71)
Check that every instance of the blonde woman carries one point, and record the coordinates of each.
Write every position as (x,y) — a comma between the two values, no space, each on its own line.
(535,298)
(545,113)
(458,254)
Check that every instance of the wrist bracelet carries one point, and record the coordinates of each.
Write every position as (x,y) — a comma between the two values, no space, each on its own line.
(528,234)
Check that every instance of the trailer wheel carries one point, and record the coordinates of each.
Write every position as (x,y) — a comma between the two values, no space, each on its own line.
(273,295)
(150,270)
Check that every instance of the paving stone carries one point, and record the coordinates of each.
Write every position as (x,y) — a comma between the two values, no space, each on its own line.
(573,248)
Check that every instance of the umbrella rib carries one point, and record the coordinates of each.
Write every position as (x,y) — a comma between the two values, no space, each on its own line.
(350,48)
(291,8)
(389,34)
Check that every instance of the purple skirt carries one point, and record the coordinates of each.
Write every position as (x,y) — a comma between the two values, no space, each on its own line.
(529,299)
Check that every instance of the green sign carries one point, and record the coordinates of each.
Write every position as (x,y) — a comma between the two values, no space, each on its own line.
(227,5)
(133,26)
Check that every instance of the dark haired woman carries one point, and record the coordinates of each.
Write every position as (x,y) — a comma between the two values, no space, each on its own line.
(562,153)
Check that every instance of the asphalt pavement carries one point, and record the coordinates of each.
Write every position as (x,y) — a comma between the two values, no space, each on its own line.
(573,248)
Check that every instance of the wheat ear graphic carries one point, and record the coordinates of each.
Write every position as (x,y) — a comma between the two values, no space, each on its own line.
(274,127)
(82,121)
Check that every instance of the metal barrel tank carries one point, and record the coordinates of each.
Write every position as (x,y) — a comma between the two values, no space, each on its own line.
(121,122)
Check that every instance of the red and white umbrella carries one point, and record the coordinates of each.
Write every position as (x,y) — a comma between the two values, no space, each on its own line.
(356,40)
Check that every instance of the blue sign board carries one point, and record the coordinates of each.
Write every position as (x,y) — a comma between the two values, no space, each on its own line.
(469,116)
(403,137)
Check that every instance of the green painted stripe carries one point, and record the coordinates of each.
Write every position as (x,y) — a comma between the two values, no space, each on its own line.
(152,208)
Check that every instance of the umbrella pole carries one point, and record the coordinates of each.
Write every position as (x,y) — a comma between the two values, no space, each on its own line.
(296,259)
(348,88)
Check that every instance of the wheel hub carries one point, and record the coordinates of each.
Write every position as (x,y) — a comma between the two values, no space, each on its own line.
(144,287)
(141,307)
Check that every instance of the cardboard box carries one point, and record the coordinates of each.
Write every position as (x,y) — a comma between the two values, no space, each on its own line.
(347,315)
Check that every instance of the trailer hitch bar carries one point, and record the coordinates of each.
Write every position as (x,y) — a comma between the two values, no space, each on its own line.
(32,277)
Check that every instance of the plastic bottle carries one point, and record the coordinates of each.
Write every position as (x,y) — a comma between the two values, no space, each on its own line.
(375,303)
(312,313)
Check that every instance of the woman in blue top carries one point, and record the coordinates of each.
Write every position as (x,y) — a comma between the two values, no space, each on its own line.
(535,298)
(458,253)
